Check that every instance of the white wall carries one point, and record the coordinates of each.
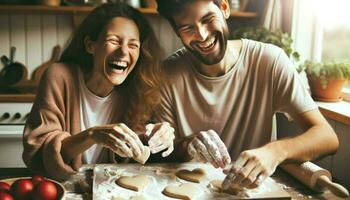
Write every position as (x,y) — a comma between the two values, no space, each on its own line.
(35,35)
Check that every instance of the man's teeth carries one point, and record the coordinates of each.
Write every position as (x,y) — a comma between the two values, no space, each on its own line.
(208,43)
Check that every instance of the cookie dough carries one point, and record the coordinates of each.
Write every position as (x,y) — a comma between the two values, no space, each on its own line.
(215,185)
(184,191)
(136,183)
(195,175)
(143,157)
(131,198)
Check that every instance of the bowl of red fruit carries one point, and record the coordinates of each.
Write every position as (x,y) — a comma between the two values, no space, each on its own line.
(31,188)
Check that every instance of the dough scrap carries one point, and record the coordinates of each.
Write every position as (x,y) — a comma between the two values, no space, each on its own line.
(138,198)
(185,191)
(143,157)
(135,183)
(216,186)
(131,198)
(195,175)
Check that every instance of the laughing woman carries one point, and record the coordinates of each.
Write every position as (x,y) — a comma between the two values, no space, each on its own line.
(93,106)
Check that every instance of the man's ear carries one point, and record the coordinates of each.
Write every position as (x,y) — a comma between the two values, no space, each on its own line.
(89,45)
(225,8)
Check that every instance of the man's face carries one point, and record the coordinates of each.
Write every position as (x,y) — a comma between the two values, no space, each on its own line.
(203,30)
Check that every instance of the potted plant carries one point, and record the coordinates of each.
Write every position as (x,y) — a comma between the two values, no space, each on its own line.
(278,38)
(327,79)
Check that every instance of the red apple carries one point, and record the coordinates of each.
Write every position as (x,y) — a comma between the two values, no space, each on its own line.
(37,179)
(46,190)
(5,196)
(4,187)
(21,189)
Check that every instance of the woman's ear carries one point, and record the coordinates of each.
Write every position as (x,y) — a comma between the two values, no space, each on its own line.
(89,45)
(225,8)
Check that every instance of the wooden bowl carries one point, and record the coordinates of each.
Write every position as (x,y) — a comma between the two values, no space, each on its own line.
(59,186)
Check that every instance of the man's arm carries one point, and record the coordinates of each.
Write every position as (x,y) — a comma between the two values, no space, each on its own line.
(253,166)
(317,140)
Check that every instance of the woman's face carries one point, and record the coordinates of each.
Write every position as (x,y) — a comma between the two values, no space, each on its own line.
(116,51)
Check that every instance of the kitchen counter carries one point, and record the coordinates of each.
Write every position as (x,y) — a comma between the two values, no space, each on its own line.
(79,186)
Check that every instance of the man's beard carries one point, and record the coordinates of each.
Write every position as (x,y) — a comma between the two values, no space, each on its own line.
(216,56)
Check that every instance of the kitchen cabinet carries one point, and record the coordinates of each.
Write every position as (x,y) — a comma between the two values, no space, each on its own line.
(34,30)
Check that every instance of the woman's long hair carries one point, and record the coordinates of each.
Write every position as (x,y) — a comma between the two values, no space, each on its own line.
(141,87)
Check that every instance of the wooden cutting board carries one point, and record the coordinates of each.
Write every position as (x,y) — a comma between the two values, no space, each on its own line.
(162,175)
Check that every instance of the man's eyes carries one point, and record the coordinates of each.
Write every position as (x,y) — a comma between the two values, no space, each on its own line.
(208,20)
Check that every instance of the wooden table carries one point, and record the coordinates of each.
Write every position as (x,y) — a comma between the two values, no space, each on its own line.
(81,183)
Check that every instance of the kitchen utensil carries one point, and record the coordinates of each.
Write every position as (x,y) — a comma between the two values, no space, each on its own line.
(315,177)
(13,72)
(5,60)
(54,58)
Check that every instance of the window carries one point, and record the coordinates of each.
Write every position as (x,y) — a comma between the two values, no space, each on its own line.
(335,17)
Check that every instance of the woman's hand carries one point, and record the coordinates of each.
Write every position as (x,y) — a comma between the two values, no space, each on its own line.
(251,168)
(160,136)
(207,146)
(119,138)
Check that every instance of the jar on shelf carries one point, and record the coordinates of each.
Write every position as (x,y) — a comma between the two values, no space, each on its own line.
(149,3)
(50,2)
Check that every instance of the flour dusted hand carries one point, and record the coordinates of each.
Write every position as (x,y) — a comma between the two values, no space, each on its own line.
(119,138)
(251,168)
(207,146)
(160,137)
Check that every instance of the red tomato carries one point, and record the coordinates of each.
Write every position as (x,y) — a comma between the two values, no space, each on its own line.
(37,179)
(46,190)
(5,196)
(21,189)
(4,187)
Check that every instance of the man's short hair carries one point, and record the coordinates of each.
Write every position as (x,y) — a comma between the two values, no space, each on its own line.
(168,8)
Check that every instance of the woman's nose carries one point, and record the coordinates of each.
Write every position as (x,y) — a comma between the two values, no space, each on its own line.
(122,50)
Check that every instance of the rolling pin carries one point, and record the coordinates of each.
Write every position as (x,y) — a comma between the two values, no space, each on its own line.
(315,178)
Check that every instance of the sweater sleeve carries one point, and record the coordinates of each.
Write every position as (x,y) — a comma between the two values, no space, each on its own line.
(47,126)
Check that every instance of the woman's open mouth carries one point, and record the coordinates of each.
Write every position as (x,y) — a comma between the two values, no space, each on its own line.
(118,66)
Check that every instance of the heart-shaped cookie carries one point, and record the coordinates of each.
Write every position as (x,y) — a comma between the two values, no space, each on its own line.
(184,191)
(143,157)
(135,183)
(216,186)
(195,175)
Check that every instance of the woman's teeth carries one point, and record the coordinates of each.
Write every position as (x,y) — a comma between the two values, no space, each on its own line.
(120,65)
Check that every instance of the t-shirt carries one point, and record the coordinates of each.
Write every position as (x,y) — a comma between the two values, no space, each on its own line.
(95,111)
(238,105)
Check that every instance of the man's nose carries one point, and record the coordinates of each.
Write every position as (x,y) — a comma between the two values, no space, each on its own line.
(201,33)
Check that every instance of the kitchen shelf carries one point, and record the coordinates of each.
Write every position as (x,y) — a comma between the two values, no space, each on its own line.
(30,9)
(17,98)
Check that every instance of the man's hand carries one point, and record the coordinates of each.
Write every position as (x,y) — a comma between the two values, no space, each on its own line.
(161,136)
(251,168)
(207,146)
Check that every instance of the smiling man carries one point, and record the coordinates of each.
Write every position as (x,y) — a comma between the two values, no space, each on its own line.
(221,96)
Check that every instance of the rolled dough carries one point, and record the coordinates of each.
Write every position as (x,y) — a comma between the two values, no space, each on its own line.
(184,191)
(143,157)
(216,186)
(195,175)
(135,183)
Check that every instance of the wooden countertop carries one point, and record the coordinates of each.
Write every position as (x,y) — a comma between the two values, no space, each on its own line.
(287,182)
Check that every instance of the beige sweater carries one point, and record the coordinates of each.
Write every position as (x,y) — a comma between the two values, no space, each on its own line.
(54,116)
